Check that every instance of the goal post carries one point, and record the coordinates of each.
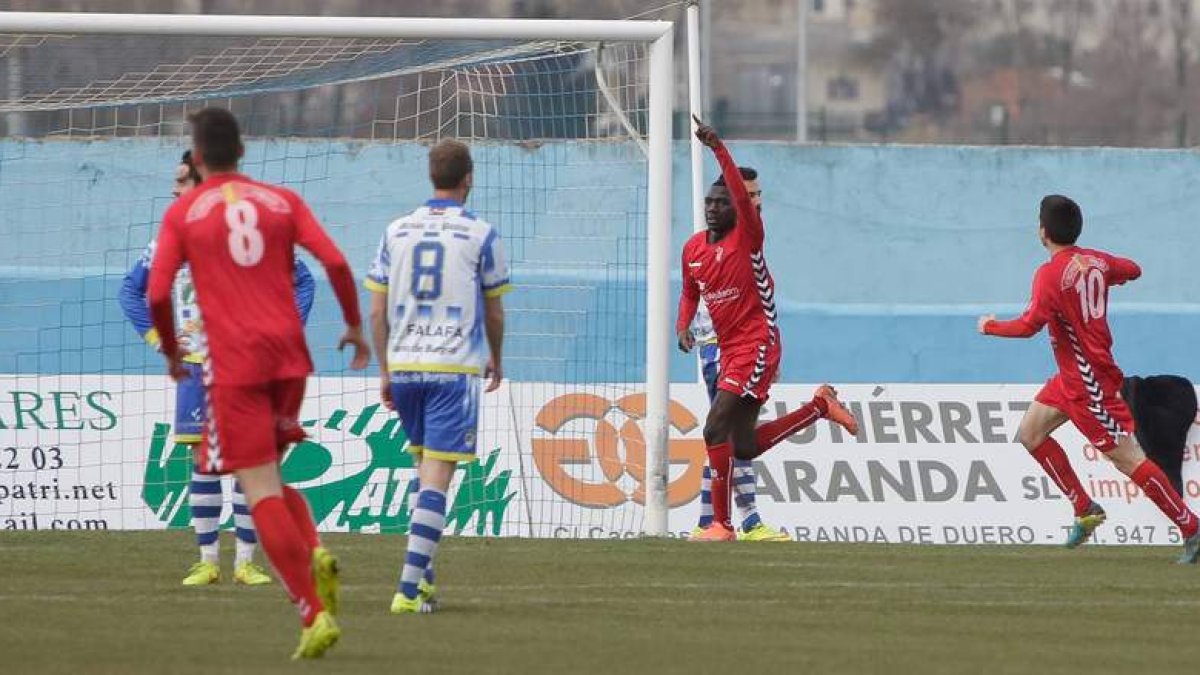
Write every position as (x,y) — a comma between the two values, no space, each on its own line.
(657,38)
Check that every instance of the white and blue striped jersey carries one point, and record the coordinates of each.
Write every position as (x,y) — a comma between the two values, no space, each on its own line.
(183,299)
(436,265)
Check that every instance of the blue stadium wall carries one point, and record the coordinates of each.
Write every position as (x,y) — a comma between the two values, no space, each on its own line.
(883,256)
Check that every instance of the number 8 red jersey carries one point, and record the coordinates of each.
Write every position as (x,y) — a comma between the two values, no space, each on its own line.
(1070,293)
(238,237)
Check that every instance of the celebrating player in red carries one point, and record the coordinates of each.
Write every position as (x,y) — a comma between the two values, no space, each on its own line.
(238,237)
(1070,293)
(725,265)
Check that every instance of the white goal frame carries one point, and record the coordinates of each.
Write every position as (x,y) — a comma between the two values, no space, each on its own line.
(658,34)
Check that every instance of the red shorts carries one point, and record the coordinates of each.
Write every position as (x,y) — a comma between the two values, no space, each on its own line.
(749,371)
(250,425)
(1102,422)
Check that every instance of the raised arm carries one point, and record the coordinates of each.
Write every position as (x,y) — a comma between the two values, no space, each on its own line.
(749,222)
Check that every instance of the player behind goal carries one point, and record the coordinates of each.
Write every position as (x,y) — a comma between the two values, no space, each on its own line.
(205,495)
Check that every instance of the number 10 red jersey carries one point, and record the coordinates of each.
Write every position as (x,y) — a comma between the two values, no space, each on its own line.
(1070,293)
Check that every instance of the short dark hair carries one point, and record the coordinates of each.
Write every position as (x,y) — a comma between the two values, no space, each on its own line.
(216,134)
(748,173)
(1061,218)
(193,174)
(449,164)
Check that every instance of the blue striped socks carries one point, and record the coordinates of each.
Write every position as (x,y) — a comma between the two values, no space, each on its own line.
(706,514)
(204,500)
(424,533)
(243,527)
(743,493)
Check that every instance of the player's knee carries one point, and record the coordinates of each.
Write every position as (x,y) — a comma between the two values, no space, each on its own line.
(715,433)
(716,429)
(1126,457)
(1030,438)
(743,453)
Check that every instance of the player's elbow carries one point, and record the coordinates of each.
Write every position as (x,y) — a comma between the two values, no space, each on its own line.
(378,313)
(335,264)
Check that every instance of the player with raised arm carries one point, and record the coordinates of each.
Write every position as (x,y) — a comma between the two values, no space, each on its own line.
(436,283)
(238,237)
(1070,293)
(704,341)
(725,267)
(205,495)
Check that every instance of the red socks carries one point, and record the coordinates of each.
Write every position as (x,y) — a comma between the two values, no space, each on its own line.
(289,554)
(1151,479)
(768,435)
(720,461)
(302,516)
(1054,461)
(772,433)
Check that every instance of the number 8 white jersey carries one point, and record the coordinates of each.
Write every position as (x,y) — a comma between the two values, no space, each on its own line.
(436,265)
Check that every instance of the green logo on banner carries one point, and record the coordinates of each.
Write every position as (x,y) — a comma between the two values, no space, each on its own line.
(374,497)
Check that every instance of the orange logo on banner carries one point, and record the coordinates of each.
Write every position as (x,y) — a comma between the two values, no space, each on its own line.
(553,454)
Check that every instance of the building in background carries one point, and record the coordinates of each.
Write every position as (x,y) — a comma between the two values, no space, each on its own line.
(754,69)
(1067,72)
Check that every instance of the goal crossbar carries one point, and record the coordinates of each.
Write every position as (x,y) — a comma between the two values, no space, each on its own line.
(88,23)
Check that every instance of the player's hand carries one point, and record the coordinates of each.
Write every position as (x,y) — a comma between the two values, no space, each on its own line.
(686,340)
(983,322)
(706,134)
(385,392)
(495,374)
(362,353)
(175,368)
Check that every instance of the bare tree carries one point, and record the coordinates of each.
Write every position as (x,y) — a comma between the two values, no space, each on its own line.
(1069,17)
(924,37)
(1180,22)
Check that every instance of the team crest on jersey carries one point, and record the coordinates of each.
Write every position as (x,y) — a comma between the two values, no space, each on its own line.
(1079,266)
(720,253)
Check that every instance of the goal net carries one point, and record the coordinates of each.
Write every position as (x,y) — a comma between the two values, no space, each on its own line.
(93,130)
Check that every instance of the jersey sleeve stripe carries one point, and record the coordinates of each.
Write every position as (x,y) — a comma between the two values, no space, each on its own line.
(497,291)
(375,286)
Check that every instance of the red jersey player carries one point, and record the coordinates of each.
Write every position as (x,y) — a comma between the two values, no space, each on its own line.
(238,237)
(1070,293)
(725,265)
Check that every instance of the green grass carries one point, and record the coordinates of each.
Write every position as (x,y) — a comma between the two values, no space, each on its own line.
(111,603)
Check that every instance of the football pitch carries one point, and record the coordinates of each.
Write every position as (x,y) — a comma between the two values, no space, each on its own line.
(111,603)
